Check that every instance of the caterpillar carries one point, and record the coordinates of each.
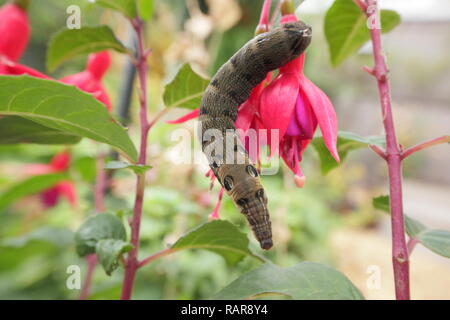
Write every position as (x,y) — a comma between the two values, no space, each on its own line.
(229,88)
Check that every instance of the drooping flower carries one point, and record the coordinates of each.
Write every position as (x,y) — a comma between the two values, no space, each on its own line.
(50,197)
(295,106)
(14,31)
(14,36)
(90,80)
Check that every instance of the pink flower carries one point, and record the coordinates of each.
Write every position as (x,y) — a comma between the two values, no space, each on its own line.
(66,188)
(295,106)
(90,80)
(15,33)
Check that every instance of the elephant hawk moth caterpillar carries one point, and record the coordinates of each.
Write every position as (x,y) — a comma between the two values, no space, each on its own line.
(228,89)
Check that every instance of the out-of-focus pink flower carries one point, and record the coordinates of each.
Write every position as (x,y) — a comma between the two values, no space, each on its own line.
(90,80)
(295,106)
(14,31)
(50,197)
(14,36)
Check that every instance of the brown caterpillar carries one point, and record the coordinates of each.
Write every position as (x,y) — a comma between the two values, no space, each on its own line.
(228,89)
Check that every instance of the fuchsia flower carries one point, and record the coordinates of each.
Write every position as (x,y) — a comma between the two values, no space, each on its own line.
(15,33)
(295,106)
(50,197)
(291,104)
(90,80)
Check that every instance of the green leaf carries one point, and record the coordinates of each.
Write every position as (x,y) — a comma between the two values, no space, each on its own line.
(108,252)
(346,28)
(220,237)
(137,168)
(64,108)
(70,43)
(28,187)
(413,227)
(59,237)
(185,90)
(304,281)
(381,203)
(127,7)
(437,241)
(98,227)
(19,130)
(346,142)
(86,168)
(146,8)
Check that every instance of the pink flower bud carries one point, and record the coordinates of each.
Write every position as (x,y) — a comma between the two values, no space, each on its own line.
(14,31)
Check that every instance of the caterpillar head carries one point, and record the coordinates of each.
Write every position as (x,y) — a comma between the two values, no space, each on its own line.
(298,36)
(242,183)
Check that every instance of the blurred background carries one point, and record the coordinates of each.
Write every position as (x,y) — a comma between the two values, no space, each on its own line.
(331,220)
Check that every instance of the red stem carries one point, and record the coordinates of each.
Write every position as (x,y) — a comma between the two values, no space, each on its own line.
(426,144)
(155,256)
(393,158)
(132,263)
(263,25)
(91,263)
(361,4)
(411,245)
(378,151)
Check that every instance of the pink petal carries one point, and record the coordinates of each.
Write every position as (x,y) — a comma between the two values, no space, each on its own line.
(18,69)
(324,112)
(305,117)
(98,64)
(278,102)
(288,18)
(294,128)
(67,189)
(245,116)
(86,81)
(14,30)
(50,197)
(60,161)
(215,214)
(191,115)
(249,108)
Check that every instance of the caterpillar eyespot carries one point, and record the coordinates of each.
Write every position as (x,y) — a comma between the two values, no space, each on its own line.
(228,183)
(218,111)
(252,171)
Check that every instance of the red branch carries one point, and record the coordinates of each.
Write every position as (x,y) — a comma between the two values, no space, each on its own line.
(393,158)
(132,263)
(411,244)
(361,4)
(155,256)
(424,145)
(91,263)
(378,151)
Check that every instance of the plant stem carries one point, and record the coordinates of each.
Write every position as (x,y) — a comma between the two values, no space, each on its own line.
(132,263)
(99,200)
(411,245)
(424,145)
(91,263)
(393,158)
(155,256)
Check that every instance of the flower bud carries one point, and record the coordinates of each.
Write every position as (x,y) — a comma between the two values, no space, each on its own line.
(14,31)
